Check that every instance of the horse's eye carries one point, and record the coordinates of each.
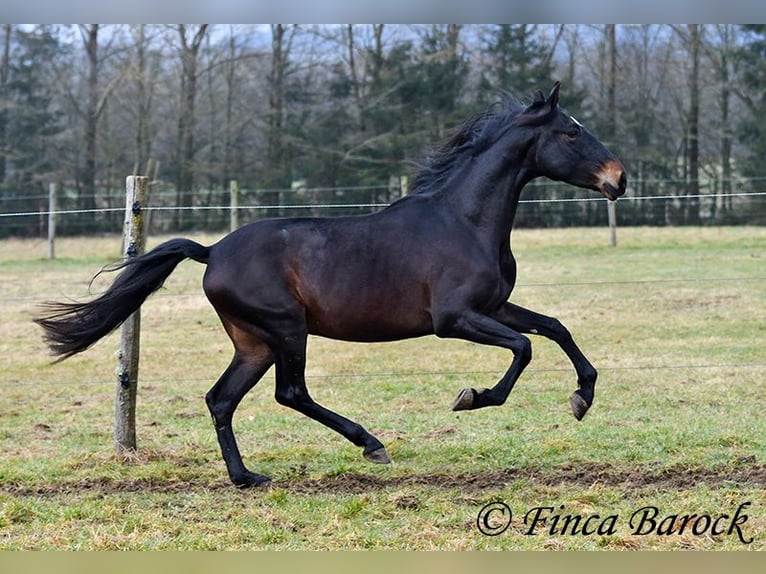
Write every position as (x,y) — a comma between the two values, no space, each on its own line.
(573,132)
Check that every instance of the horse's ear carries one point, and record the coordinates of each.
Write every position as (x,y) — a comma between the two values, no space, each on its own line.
(541,107)
(553,98)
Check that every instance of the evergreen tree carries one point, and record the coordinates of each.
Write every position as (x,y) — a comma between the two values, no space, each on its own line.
(391,116)
(443,71)
(752,128)
(516,61)
(32,118)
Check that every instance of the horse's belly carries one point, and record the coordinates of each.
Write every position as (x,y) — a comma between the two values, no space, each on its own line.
(353,323)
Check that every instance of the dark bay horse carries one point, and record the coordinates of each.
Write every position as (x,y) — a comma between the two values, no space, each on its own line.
(438,261)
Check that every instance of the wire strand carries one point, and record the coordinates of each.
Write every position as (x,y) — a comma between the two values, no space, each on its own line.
(413,374)
(319,206)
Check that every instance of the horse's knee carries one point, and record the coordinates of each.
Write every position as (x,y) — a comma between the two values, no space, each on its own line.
(220,410)
(523,350)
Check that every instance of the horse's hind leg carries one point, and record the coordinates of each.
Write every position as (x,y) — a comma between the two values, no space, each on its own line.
(251,360)
(526,321)
(291,391)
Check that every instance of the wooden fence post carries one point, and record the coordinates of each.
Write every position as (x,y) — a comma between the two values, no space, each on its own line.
(51,220)
(134,243)
(234,205)
(611,210)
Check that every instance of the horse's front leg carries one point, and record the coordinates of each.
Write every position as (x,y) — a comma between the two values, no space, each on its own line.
(526,321)
(483,329)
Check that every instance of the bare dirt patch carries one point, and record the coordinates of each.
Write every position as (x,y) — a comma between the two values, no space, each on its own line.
(588,474)
(585,474)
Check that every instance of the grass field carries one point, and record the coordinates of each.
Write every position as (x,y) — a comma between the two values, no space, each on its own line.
(674,319)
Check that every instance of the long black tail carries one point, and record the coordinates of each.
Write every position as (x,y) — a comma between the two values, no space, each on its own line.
(70,328)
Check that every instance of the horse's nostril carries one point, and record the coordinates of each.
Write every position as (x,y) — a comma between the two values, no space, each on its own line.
(623,180)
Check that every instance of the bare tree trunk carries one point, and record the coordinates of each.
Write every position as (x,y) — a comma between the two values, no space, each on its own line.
(572,46)
(377,55)
(231,77)
(276,92)
(355,83)
(718,52)
(726,133)
(4,97)
(611,109)
(145,81)
(453,38)
(611,88)
(96,99)
(213,160)
(92,112)
(694,113)
(186,120)
(278,165)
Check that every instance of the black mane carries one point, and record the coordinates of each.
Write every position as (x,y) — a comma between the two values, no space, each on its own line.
(472,138)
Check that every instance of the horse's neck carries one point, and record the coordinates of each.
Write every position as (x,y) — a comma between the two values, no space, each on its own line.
(487,200)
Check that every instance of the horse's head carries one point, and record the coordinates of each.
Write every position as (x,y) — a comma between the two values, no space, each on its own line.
(564,150)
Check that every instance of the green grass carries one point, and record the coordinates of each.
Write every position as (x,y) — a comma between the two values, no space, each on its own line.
(674,319)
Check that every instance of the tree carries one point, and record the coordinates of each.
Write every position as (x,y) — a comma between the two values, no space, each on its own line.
(5,67)
(96,98)
(515,60)
(600,64)
(392,111)
(190,43)
(752,128)
(443,74)
(232,79)
(651,103)
(354,105)
(278,169)
(355,131)
(29,121)
(611,85)
(721,51)
(92,113)
(575,96)
(32,119)
(690,37)
(144,71)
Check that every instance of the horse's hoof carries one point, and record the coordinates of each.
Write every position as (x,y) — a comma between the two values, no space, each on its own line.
(251,480)
(464,400)
(378,456)
(467,400)
(578,405)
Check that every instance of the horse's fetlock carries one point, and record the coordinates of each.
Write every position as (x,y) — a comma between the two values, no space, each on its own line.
(589,376)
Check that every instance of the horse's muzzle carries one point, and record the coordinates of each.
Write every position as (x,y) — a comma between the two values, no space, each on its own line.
(612,180)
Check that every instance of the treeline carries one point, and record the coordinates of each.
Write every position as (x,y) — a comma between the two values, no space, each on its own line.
(291,110)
